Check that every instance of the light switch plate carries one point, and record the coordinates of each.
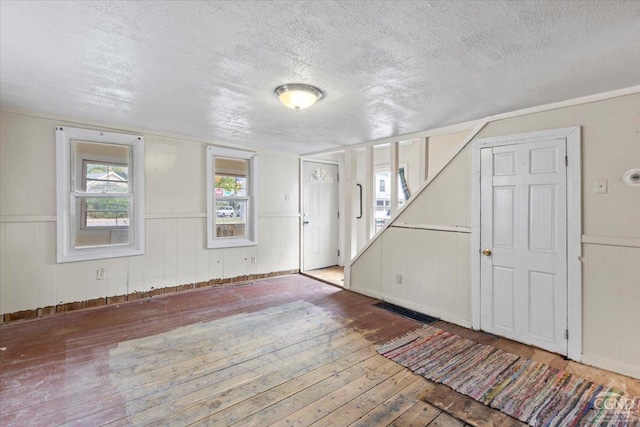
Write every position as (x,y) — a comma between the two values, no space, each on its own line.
(600,186)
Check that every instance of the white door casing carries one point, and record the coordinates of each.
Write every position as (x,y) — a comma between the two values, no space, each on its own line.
(526,211)
(320,215)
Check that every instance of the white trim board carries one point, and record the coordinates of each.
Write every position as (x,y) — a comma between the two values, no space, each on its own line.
(449,228)
(422,187)
(114,127)
(176,215)
(630,242)
(444,130)
(574,225)
(27,218)
(52,218)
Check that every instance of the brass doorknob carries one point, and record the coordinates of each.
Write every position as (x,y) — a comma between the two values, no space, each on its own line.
(486,252)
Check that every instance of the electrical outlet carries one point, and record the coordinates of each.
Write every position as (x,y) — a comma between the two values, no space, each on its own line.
(399,279)
(101,273)
(600,186)
(254,259)
(287,197)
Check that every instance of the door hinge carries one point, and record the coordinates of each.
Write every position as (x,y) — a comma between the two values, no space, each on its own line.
(338,252)
(338,214)
(566,334)
(338,176)
(566,160)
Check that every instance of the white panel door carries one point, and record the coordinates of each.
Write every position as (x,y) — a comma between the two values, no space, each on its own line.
(524,241)
(320,215)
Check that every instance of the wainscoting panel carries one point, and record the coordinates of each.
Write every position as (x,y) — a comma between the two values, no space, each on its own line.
(432,265)
(176,255)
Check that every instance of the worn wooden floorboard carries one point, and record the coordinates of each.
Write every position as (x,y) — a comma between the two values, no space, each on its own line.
(196,399)
(419,415)
(391,409)
(286,351)
(273,405)
(240,336)
(142,384)
(155,356)
(164,313)
(352,366)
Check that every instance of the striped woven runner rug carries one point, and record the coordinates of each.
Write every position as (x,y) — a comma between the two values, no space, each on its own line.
(529,391)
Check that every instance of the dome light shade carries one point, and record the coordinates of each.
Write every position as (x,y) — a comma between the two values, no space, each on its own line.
(298,96)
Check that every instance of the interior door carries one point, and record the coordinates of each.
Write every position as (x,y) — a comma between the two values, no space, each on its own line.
(523,234)
(320,215)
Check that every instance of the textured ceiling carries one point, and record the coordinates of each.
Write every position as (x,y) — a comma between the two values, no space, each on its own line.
(208,69)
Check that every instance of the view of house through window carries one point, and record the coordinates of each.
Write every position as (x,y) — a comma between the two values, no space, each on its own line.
(105,178)
(231,196)
(102,193)
(382,212)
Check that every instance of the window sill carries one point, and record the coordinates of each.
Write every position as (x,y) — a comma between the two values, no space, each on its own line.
(230,243)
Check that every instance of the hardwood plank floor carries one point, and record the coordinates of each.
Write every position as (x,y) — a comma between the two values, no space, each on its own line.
(283,351)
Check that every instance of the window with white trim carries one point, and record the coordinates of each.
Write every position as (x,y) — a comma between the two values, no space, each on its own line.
(100,194)
(231,198)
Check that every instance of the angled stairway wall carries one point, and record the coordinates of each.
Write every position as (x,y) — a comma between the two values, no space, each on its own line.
(427,246)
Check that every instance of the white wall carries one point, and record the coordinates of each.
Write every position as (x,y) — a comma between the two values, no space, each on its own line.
(442,148)
(434,266)
(176,251)
(611,234)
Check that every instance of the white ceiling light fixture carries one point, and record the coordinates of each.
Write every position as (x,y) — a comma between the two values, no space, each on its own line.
(298,96)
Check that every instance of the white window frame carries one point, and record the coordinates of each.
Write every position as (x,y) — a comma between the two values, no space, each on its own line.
(67,223)
(251,228)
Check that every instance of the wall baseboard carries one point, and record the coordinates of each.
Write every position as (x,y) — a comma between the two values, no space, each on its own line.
(611,365)
(118,299)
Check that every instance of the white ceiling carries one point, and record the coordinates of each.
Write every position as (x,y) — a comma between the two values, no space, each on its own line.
(208,69)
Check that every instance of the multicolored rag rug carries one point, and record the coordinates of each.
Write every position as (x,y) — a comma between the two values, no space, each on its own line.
(529,391)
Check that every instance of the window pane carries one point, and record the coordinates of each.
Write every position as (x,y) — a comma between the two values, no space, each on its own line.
(381,185)
(105,212)
(101,168)
(231,177)
(106,178)
(102,221)
(321,174)
(409,173)
(382,211)
(231,218)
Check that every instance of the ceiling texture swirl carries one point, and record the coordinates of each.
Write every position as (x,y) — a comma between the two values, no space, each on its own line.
(208,70)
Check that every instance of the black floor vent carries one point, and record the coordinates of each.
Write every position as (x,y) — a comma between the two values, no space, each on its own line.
(406,312)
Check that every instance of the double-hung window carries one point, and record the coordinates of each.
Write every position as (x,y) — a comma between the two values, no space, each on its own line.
(100,194)
(231,198)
